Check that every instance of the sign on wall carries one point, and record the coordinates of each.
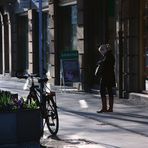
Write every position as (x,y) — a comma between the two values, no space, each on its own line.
(70,66)
(23,5)
(71,71)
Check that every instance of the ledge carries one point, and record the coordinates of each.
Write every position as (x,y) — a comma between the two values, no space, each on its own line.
(138,98)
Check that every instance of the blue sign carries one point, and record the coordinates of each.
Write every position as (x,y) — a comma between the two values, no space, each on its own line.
(23,5)
(71,71)
(70,66)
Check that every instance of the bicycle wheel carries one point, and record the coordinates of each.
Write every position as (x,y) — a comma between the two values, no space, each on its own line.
(52,119)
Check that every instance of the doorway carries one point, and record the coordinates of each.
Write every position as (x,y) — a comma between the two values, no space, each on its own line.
(22,50)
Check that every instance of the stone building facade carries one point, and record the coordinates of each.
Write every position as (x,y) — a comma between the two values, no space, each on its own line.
(79,25)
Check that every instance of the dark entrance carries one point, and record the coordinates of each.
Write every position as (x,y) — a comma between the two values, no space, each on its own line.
(99,29)
(22,58)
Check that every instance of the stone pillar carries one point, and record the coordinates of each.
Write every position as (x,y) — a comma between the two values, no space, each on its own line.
(10,45)
(141,52)
(52,65)
(30,42)
(80,37)
(3,45)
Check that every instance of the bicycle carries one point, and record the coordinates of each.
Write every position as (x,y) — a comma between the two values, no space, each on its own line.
(46,101)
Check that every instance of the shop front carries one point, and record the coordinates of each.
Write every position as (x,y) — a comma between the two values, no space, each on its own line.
(66,30)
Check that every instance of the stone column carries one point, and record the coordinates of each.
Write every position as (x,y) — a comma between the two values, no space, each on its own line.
(10,50)
(80,40)
(3,46)
(52,66)
(30,42)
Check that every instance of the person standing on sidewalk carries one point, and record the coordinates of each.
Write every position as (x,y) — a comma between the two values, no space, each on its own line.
(107,78)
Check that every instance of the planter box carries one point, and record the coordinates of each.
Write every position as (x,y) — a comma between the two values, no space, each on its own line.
(20,126)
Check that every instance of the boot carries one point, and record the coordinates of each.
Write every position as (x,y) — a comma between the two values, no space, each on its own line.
(104,105)
(111,102)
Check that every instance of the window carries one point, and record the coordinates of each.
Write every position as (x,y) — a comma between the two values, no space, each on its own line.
(68,27)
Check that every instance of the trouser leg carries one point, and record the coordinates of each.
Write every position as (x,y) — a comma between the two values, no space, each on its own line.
(111,102)
(103,98)
(111,99)
(104,103)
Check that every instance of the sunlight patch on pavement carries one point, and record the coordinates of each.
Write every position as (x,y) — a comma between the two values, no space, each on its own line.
(84,146)
(83,104)
(74,137)
(90,146)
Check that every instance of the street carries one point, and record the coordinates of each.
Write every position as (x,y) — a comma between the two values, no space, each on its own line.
(82,127)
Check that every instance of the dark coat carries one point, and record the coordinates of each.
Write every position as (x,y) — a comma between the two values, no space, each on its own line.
(107,69)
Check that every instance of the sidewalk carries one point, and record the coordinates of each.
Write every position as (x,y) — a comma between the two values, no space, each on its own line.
(128,121)
(126,127)
(17,84)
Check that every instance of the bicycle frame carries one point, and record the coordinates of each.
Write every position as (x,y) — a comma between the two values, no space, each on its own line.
(37,93)
(46,102)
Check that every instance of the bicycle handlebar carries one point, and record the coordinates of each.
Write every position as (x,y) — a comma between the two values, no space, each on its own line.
(25,76)
(44,80)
